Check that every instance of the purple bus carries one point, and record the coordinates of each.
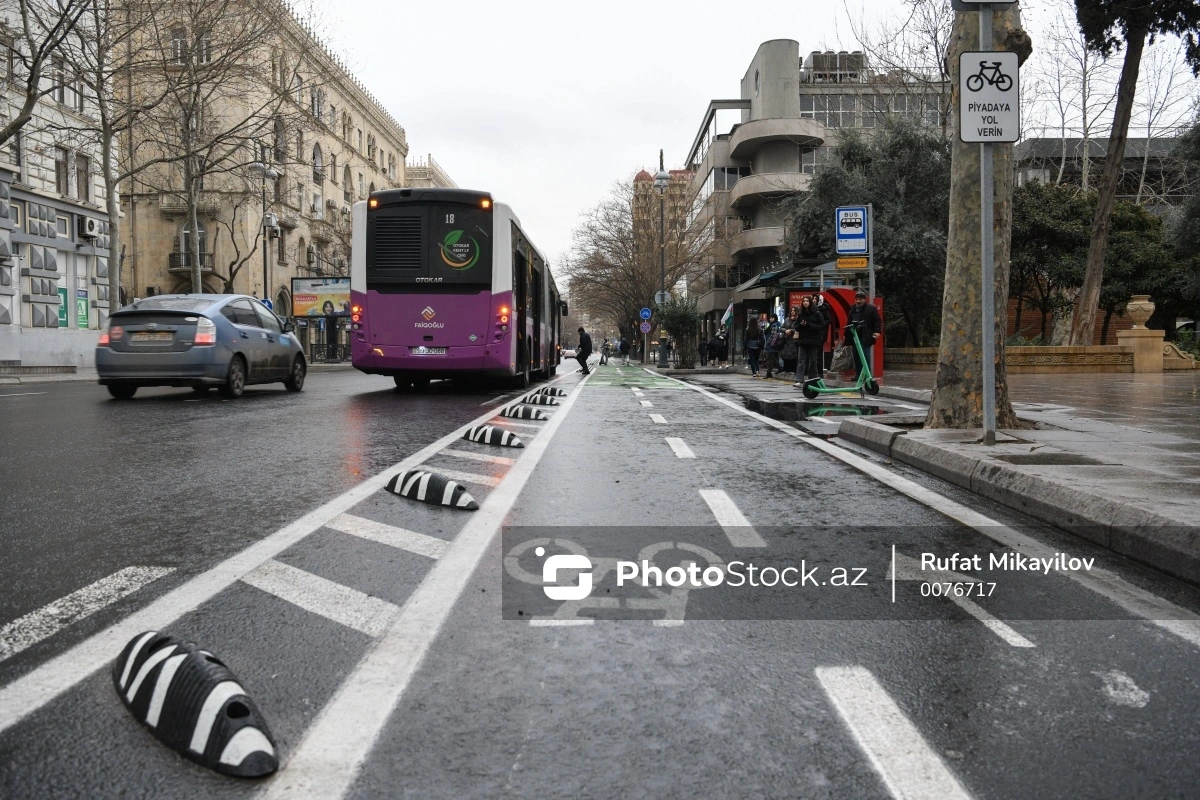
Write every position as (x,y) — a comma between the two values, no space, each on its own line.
(444,283)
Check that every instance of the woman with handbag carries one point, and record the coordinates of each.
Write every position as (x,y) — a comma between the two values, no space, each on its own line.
(753,345)
(791,348)
(811,327)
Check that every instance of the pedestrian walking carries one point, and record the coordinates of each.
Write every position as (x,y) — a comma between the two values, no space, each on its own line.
(790,354)
(623,347)
(827,335)
(722,348)
(752,346)
(585,350)
(773,336)
(865,317)
(810,327)
(604,346)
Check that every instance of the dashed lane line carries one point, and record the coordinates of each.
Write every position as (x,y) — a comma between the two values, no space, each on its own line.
(737,528)
(328,759)
(390,535)
(904,760)
(20,394)
(1139,602)
(323,597)
(36,626)
(647,404)
(484,457)
(994,625)
(560,623)
(680,448)
(33,690)
(658,419)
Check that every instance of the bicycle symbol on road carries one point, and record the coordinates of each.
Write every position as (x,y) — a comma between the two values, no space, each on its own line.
(992,75)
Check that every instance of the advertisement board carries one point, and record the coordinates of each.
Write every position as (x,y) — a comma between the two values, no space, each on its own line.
(320,297)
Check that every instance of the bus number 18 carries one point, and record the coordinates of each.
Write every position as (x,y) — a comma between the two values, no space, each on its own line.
(449,219)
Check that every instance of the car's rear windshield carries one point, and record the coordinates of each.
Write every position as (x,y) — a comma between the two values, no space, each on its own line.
(171,304)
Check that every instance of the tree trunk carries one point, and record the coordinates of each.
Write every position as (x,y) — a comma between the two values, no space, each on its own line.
(957,400)
(1018,326)
(1084,324)
(193,215)
(1108,312)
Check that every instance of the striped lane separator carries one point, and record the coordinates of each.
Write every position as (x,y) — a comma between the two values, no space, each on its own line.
(400,538)
(36,626)
(484,457)
(323,597)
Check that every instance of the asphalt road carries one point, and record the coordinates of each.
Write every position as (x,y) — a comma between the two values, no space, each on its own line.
(448,673)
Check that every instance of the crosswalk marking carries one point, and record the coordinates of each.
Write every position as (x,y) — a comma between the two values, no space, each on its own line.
(680,447)
(400,538)
(658,418)
(26,631)
(737,528)
(465,477)
(484,457)
(908,766)
(323,597)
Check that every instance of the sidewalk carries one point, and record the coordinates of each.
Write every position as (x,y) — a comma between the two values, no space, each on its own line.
(1113,458)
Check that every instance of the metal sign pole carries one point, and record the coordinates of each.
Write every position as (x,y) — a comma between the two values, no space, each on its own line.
(871,250)
(987,271)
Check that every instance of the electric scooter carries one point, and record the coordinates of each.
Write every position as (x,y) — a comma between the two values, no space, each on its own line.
(864,385)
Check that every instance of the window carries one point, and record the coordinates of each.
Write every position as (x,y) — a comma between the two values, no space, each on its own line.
(280,142)
(347,184)
(371,148)
(318,165)
(280,188)
(874,109)
(179,44)
(61,171)
(83,177)
(62,225)
(15,150)
(360,140)
(333,173)
(240,312)
(266,319)
(282,246)
(186,244)
(361,186)
(58,77)
(15,213)
(300,196)
(298,90)
(204,49)
(332,116)
(300,146)
(371,188)
(808,160)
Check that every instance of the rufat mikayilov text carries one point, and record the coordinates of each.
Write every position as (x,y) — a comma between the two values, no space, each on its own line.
(1010,562)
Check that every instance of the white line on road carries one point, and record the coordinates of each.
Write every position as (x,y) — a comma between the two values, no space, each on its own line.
(737,528)
(484,457)
(34,689)
(908,766)
(328,759)
(647,404)
(1168,616)
(26,631)
(509,422)
(994,625)
(668,623)
(495,399)
(464,477)
(323,597)
(681,449)
(658,418)
(826,420)
(20,394)
(400,538)
(560,623)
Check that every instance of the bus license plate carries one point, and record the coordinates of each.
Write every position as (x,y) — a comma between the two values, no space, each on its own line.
(429,351)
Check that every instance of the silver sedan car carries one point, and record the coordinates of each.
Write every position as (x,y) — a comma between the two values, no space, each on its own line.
(198,340)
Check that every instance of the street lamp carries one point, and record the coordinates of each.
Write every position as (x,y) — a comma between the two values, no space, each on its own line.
(268,221)
(661,181)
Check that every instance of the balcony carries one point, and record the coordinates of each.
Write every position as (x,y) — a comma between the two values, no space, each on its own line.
(753,189)
(182,262)
(756,239)
(749,136)
(171,203)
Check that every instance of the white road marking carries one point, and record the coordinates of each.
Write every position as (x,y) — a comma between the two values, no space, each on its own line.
(327,760)
(826,420)
(26,631)
(508,422)
(495,399)
(400,538)
(560,623)
(1139,602)
(484,457)
(323,597)
(908,766)
(737,528)
(20,394)
(33,690)
(647,404)
(994,625)
(464,477)
(681,449)
(658,418)
(668,623)
(639,392)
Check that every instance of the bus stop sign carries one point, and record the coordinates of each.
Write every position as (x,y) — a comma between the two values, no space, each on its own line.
(850,229)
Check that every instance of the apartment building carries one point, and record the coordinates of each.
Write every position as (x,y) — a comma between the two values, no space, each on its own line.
(426,173)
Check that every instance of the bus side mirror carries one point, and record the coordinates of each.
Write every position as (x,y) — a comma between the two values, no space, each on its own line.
(563,305)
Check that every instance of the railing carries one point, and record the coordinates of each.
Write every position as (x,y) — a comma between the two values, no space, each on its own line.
(181,262)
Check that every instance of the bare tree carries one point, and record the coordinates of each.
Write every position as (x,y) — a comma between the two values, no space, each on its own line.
(45,25)
(1163,107)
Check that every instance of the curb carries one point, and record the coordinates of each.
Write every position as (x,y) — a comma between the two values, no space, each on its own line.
(1162,542)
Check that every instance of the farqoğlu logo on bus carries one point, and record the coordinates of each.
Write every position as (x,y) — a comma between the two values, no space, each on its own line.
(459,253)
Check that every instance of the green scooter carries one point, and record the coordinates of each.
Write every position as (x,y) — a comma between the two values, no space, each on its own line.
(864,385)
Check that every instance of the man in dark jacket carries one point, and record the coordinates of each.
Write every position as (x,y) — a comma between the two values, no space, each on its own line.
(585,350)
(623,348)
(865,316)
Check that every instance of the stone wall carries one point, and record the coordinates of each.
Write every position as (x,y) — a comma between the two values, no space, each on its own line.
(1098,358)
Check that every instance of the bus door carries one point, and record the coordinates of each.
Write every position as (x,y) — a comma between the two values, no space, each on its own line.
(520,310)
(537,297)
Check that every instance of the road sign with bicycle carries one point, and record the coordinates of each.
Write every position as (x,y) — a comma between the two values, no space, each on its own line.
(989,91)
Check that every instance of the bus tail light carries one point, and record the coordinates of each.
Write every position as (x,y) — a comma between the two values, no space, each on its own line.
(206,332)
(356,317)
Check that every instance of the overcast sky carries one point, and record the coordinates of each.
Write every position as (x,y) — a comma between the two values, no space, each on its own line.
(546,104)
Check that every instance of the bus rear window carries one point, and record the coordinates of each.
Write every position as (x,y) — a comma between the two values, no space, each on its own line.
(429,244)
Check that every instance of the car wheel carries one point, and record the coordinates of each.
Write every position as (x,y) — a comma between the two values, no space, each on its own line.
(295,382)
(235,378)
(122,391)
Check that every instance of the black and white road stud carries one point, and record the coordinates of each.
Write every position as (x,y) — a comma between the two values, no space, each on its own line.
(537,399)
(194,704)
(429,487)
(553,391)
(522,412)
(490,434)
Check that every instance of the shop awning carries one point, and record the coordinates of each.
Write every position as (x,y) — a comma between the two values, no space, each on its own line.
(765,279)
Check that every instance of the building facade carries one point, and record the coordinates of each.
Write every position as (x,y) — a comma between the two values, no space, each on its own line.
(425,173)
(322,143)
(54,246)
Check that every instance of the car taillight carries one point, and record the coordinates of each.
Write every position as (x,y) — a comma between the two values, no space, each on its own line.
(206,332)
(103,340)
